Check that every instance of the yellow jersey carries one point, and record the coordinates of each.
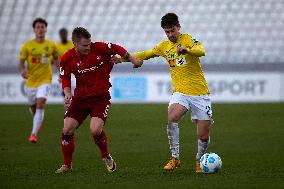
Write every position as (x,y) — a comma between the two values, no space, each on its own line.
(186,72)
(39,57)
(63,48)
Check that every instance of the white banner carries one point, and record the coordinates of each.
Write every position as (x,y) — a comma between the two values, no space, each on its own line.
(157,87)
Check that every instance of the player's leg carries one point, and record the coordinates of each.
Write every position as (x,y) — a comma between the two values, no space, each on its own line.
(202,116)
(68,143)
(73,118)
(99,115)
(41,95)
(177,108)
(203,134)
(99,135)
(100,139)
(32,109)
(31,95)
(39,115)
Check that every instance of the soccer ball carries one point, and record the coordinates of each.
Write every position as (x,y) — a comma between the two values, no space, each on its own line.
(210,163)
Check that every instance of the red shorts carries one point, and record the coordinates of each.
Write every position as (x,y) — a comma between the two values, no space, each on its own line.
(95,106)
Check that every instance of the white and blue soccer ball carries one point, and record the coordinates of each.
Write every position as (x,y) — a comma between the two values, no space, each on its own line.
(210,163)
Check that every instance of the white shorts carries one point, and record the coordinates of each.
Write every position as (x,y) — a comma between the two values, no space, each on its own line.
(41,91)
(200,106)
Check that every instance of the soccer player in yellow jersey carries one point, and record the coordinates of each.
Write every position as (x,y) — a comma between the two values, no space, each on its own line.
(64,45)
(39,53)
(191,92)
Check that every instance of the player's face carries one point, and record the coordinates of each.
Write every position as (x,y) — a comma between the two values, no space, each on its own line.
(83,46)
(172,33)
(40,30)
(63,36)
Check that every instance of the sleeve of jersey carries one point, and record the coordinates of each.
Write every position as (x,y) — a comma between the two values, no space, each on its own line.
(55,51)
(24,52)
(65,73)
(197,50)
(195,47)
(150,53)
(145,55)
(116,49)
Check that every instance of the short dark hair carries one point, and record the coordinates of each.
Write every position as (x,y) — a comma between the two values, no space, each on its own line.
(63,30)
(169,20)
(80,32)
(39,20)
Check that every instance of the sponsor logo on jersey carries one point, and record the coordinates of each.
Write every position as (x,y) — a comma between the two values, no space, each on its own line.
(61,71)
(194,40)
(78,64)
(171,63)
(109,45)
(90,69)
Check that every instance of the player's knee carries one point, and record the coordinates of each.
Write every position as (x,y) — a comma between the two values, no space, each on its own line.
(204,137)
(96,126)
(67,131)
(40,104)
(173,118)
(203,134)
(96,130)
(70,125)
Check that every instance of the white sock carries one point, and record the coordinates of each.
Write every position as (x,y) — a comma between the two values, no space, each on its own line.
(37,121)
(173,136)
(202,146)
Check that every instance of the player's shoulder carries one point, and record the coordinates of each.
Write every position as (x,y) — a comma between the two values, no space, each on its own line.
(50,42)
(162,44)
(70,43)
(69,54)
(29,42)
(101,44)
(189,37)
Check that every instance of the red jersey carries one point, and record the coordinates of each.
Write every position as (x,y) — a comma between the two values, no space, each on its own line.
(92,71)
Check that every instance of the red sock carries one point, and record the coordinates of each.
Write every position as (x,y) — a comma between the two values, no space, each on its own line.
(101,142)
(67,147)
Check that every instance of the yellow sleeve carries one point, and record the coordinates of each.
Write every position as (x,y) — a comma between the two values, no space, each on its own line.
(150,53)
(55,51)
(145,55)
(194,47)
(24,52)
(197,50)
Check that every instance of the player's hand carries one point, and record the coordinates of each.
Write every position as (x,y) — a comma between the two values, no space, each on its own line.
(181,50)
(67,99)
(24,74)
(115,60)
(135,61)
(138,63)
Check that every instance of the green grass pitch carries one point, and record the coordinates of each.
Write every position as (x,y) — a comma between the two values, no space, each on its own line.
(248,137)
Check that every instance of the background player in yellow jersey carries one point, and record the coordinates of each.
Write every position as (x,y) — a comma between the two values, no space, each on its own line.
(64,45)
(39,53)
(191,92)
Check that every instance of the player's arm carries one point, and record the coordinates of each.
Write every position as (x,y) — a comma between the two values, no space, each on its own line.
(22,68)
(143,55)
(116,49)
(197,50)
(23,57)
(56,57)
(135,61)
(65,76)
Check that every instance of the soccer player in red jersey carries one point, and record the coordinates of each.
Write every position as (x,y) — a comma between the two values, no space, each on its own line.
(91,64)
